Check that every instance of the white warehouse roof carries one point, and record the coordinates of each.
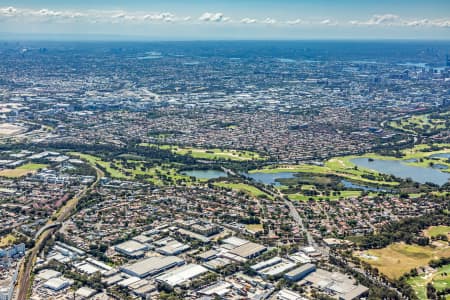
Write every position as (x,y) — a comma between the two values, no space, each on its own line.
(182,274)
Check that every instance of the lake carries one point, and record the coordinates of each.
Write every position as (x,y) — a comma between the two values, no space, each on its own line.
(269,178)
(402,170)
(205,174)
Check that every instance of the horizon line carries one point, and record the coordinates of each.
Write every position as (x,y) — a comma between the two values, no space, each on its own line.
(8,37)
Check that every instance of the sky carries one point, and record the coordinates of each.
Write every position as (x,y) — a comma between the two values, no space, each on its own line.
(225,19)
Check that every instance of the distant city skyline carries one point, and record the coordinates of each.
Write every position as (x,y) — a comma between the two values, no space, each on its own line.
(214,19)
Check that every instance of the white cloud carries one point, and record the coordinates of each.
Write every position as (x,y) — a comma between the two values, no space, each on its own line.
(395,20)
(328,22)
(165,16)
(295,22)
(440,23)
(386,19)
(417,23)
(8,11)
(248,21)
(269,21)
(89,16)
(213,17)
(29,16)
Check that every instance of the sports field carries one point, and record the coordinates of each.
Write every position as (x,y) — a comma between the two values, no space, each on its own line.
(246,188)
(254,227)
(399,258)
(23,170)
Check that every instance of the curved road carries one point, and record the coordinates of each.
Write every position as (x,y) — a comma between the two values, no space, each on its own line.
(23,282)
(292,210)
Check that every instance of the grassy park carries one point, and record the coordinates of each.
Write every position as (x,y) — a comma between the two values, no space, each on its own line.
(255,227)
(246,188)
(160,174)
(333,195)
(435,231)
(440,279)
(399,258)
(339,166)
(343,167)
(23,170)
(425,123)
(211,154)
(7,240)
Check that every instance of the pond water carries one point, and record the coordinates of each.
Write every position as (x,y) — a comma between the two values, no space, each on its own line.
(205,174)
(411,160)
(440,155)
(402,170)
(439,167)
(350,185)
(269,178)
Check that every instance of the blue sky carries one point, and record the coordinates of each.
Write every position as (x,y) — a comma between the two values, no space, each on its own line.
(231,19)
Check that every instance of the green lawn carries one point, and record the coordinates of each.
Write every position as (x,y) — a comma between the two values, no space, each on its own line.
(399,258)
(440,280)
(343,195)
(420,153)
(255,227)
(31,166)
(211,154)
(22,170)
(7,240)
(339,166)
(343,167)
(434,231)
(162,174)
(253,191)
(420,123)
(94,160)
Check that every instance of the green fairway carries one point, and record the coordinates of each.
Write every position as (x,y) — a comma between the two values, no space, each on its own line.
(211,154)
(343,167)
(157,174)
(339,166)
(323,196)
(94,160)
(426,123)
(434,231)
(439,278)
(422,156)
(249,189)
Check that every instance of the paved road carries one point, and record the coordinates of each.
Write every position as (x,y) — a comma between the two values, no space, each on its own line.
(23,282)
(295,215)
(45,228)
(292,210)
